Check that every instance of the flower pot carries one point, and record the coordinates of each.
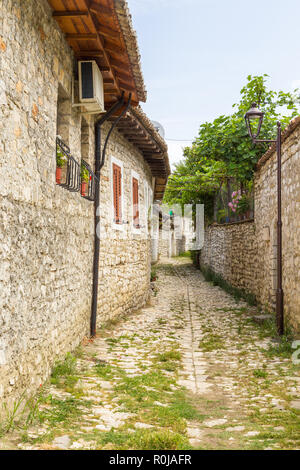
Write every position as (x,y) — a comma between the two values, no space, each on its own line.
(83,188)
(58,175)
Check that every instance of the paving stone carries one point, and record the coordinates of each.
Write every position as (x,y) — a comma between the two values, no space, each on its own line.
(143,426)
(214,422)
(219,381)
(235,428)
(295,404)
(62,442)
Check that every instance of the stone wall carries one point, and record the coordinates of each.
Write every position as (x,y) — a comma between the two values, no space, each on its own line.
(47,232)
(245,254)
(266,227)
(230,250)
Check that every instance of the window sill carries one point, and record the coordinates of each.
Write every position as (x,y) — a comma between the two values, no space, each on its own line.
(137,230)
(119,227)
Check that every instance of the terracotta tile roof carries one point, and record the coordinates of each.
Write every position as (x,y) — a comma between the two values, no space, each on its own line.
(130,38)
(286,133)
(137,128)
(145,121)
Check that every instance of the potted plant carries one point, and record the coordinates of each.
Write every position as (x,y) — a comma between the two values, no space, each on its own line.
(84,174)
(60,163)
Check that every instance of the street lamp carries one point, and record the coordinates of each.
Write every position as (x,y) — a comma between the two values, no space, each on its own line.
(254,119)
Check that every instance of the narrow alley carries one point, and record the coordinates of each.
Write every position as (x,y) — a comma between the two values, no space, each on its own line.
(191,370)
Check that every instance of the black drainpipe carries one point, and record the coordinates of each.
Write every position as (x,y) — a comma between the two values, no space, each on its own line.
(99,162)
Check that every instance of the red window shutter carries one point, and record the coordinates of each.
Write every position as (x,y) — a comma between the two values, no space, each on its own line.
(120,194)
(117,193)
(135,197)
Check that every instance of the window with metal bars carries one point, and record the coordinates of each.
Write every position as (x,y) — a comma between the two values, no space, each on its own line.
(87,188)
(67,168)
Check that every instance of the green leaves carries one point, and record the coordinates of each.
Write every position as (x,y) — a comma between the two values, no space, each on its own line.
(223,150)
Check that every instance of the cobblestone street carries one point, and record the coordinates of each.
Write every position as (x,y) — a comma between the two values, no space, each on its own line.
(190,370)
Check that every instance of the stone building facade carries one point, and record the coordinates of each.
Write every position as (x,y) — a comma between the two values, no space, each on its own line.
(47,232)
(245,254)
(172,239)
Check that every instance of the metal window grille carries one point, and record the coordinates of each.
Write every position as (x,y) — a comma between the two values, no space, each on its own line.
(70,171)
(88,187)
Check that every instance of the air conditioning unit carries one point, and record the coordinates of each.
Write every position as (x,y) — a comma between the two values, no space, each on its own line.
(91,92)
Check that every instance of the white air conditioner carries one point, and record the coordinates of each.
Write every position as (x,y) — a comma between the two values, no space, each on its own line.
(91,92)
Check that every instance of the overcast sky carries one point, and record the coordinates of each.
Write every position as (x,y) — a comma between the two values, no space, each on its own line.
(196,55)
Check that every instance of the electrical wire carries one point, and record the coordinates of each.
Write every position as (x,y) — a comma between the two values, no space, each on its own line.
(179,140)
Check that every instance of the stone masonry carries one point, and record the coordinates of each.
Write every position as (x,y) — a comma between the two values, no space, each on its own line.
(245,254)
(230,250)
(266,226)
(47,232)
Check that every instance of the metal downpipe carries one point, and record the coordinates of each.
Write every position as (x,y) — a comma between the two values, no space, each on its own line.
(99,162)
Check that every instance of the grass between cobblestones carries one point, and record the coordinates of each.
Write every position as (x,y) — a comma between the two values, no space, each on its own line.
(252,382)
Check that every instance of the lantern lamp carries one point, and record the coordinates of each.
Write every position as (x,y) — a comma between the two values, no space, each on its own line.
(254,119)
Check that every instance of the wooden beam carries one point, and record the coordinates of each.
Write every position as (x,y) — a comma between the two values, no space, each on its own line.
(69,14)
(154,156)
(110,91)
(90,53)
(118,64)
(127,126)
(124,77)
(113,48)
(109,81)
(96,8)
(147,146)
(126,86)
(108,32)
(161,181)
(139,139)
(137,142)
(81,37)
(132,135)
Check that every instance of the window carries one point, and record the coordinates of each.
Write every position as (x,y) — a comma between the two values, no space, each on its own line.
(135,201)
(147,203)
(117,193)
